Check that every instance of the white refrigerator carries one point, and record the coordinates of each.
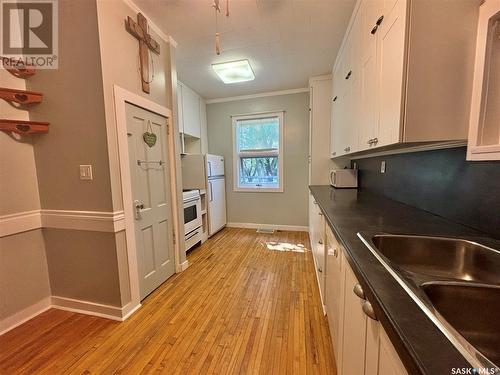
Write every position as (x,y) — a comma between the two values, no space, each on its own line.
(206,172)
(216,193)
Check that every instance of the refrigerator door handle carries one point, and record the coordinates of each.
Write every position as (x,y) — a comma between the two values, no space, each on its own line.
(211,192)
(209,168)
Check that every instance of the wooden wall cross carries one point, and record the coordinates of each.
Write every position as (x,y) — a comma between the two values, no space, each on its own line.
(139,30)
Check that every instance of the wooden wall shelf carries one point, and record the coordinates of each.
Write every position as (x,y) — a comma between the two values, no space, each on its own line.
(20,96)
(24,127)
(21,71)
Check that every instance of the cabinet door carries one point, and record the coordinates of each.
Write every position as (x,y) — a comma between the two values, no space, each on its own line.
(337,136)
(203,124)
(369,13)
(484,131)
(191,112)
(354,334)
(390,54)
(333,287)
(389,361)
(179,108)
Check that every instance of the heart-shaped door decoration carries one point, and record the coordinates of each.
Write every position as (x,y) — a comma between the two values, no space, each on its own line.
(149,137)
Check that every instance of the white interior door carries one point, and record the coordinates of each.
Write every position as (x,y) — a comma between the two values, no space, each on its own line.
(150,194)
(216,204)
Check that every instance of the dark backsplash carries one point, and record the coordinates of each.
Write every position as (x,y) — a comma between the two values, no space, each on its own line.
(441,182)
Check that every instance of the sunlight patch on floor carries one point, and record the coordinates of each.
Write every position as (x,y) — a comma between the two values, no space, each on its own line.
(285,246)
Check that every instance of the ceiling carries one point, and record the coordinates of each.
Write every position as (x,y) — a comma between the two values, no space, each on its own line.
(286,41)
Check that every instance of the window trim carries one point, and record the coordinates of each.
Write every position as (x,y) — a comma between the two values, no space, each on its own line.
(236,155)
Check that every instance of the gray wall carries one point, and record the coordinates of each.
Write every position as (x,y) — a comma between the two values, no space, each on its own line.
(24,278)
(74,106)
(289,207)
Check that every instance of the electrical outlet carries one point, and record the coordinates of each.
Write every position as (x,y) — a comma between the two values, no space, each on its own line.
(382,167)
(86,172)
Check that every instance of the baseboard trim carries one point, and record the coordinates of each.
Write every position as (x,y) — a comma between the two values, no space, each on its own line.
(88,308)
(184,265)
(24,315)
(68,304)
(292,228)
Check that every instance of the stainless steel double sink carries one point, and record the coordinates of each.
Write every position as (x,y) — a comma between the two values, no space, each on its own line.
(456,283)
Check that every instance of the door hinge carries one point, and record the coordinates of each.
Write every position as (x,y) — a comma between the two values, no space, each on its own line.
(173,233)
(168,128)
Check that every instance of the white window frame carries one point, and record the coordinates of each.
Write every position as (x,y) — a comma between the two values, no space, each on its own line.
(236,155)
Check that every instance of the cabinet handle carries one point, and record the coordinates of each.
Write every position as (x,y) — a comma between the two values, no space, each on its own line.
(358,291)
(368,310)
(370,141)
(348,74)
(377,24)
(320,270)
(320,242)
(335,99)
(334,153)
(335,253)
(320,213)
(375,140)
(347,149)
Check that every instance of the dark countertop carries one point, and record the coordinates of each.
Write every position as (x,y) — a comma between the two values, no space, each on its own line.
(420,344)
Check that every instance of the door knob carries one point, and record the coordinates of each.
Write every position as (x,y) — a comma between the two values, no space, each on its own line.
(138,205)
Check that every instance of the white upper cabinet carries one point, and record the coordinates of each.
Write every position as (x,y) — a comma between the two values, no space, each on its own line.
(484,132)
(390,52)
(189,111)
(320,104)
(403,75)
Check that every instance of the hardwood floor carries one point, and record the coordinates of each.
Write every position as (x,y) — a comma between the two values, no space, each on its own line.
(248,303)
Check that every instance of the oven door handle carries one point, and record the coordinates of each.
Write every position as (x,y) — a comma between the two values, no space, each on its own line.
(191,200)
(191,235)
(211,192)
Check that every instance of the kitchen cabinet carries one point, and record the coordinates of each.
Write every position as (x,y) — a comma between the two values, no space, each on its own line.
(320,93)
(394,86)
(190,109)
(317,238)
(361,346)
(192,121)
(354,330)
(484,131)
(334,291)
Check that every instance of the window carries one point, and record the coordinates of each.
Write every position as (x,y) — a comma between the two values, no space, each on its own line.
(258,152)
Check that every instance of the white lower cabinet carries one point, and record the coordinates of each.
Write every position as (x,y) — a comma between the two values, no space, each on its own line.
(317,238)
(361,346)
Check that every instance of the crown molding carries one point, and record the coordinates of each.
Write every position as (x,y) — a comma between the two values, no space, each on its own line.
(166,38)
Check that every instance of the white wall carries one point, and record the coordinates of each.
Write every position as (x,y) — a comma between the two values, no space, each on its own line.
(289,207)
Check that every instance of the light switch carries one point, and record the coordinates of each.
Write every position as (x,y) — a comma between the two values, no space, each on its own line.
(382,167)
(86,172)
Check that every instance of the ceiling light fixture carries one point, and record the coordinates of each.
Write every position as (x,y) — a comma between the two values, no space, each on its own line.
(234,71)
